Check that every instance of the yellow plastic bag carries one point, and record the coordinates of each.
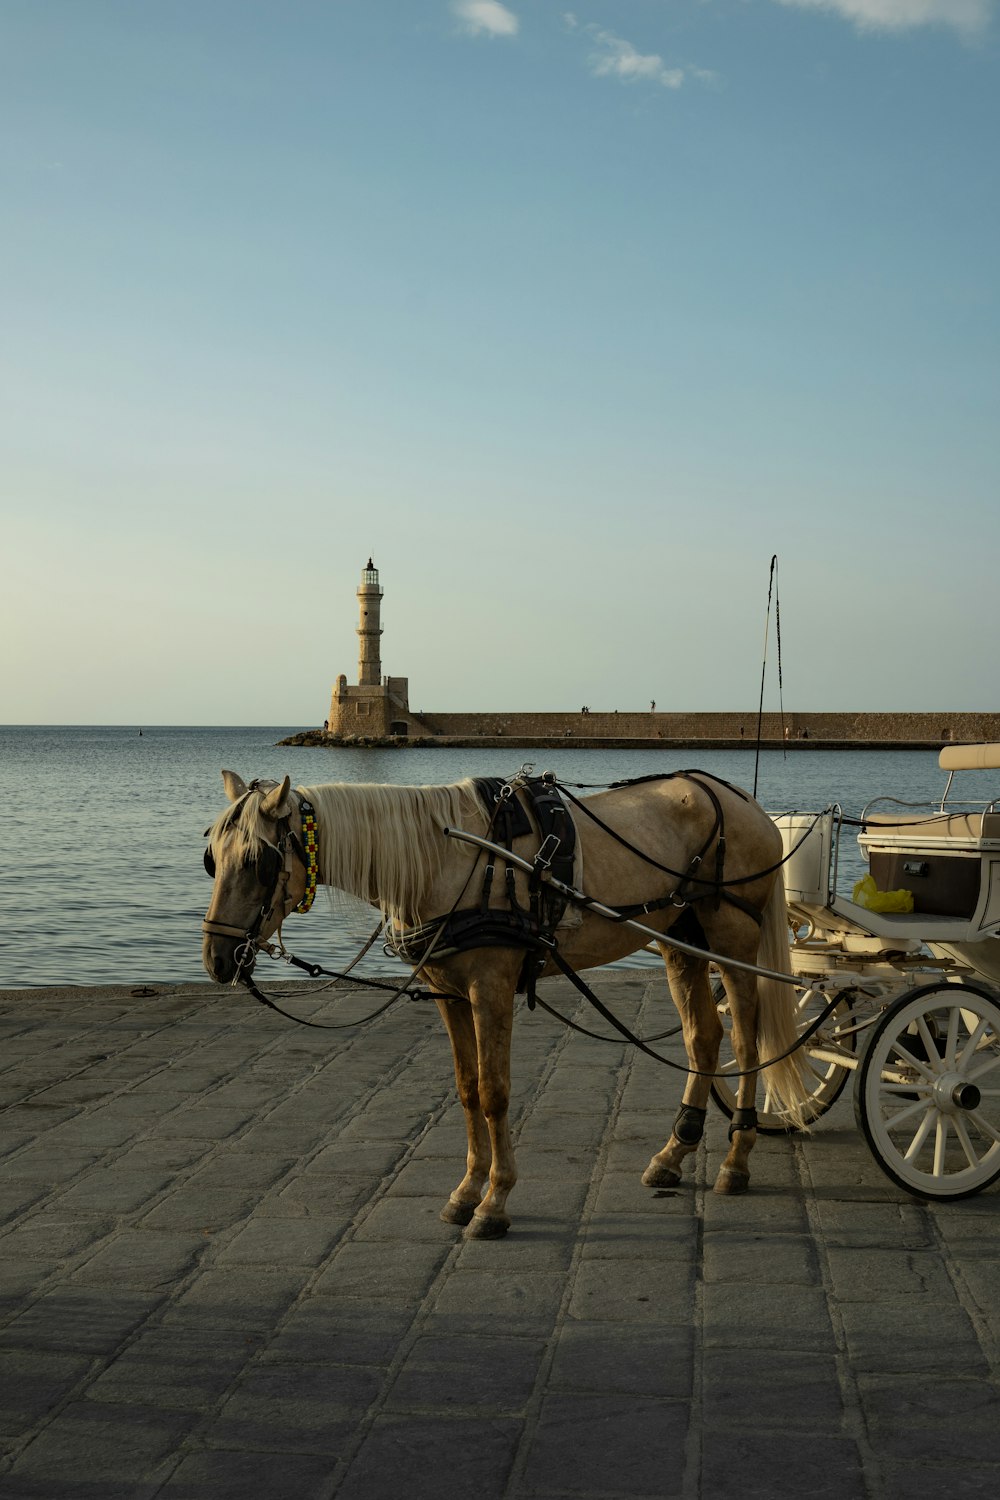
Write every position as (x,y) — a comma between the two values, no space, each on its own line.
(866,893)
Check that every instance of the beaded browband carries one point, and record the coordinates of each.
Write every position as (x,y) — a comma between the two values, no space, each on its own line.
(309,842)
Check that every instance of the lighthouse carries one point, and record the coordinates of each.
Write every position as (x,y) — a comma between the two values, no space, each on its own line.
(378,706)
(369,628)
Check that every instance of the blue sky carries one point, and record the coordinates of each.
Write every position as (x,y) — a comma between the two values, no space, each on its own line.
(569,317)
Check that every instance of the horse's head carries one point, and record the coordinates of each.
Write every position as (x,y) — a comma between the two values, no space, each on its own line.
(260,870)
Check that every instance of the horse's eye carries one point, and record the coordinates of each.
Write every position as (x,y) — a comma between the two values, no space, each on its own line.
(209,861)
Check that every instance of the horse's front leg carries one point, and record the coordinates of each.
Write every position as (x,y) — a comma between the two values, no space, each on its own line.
(457,1017)
(492,1000)
(689,987)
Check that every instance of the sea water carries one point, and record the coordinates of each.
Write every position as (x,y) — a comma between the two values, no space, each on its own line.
(101,877)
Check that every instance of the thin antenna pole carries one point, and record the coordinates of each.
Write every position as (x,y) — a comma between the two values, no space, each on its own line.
(763,668)
(777,634)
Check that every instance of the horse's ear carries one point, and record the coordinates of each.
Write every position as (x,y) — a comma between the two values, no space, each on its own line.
(278,804)
(235,786)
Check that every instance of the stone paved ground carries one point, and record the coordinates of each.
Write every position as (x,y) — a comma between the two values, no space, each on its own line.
(223,1274)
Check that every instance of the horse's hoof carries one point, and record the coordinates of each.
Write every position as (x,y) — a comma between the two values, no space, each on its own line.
(730,1180)
(657,1175)
(481,1228)
(457,1213)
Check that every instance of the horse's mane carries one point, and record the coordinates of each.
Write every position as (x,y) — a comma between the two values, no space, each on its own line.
(384,843)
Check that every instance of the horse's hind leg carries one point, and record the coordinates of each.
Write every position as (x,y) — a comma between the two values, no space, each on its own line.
(689,987)
(463,1202)
(741,989)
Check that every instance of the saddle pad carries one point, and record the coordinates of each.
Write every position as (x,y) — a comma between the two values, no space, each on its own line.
(512,822)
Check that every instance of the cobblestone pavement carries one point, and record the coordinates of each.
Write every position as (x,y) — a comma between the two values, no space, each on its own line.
(223,1273)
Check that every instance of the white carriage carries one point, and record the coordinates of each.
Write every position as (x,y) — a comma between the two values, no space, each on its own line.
(915,994)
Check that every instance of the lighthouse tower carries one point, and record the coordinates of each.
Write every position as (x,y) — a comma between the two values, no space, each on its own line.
(377,706)
(369,628)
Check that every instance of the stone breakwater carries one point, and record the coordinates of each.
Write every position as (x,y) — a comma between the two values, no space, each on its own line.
(729,730)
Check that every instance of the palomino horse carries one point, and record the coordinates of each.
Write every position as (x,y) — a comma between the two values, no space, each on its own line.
(387,844)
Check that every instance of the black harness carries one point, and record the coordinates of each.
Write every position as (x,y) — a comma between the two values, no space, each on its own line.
(691,885)
(557,840)
(530,927)
(533,927)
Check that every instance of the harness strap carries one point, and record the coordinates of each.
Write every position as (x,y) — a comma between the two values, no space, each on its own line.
(484,895)
(685,894)
(680,875)
(718,832)
(641,908)
(635,1041)
(699,778)
(612,1019)
(222,929)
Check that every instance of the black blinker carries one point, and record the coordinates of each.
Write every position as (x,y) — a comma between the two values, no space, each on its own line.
(267,868)
(269,864)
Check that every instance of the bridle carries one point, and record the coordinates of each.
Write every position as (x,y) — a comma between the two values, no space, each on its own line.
(273,870)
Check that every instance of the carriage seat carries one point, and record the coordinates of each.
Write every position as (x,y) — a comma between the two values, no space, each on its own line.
(941,858)
(928,828)
(945,875)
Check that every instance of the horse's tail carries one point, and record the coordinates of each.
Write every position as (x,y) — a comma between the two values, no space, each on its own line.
(776,1029)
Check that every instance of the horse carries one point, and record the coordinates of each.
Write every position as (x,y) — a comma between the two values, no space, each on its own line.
(644,846)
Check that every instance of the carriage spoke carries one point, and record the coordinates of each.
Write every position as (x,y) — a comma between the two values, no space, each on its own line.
(930,1042)
(922,1133)
(892,1121)
(954,1015)
(987,1067)
(971,1155)
(940,1144)
(984,1126)
(814,1068)
(914,1062)
(974,1042)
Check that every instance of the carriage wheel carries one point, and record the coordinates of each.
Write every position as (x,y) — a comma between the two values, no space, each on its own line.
(825,1079)
(928,1091)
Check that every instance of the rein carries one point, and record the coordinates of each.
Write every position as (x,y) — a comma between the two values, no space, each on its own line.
(246,980)
(629,1036)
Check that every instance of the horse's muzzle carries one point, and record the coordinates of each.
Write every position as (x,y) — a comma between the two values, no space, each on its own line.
(226,951)
(225,957)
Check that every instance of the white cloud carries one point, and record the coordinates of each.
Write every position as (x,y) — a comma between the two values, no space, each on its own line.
(967,16)
(619,59)
(489,17)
